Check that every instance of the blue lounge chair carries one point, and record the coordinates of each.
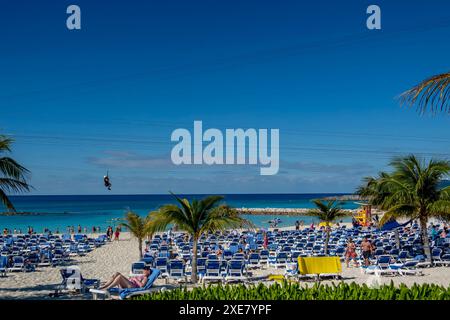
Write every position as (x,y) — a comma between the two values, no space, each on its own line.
(18,264)
(436,256)
(227,255)
(123,294)
(3,265)
(161,264)
(201,267)
(72,280)
(407,268)
(137,269)
(264,257)
(235,271)
(148,260)
(382,266)
(212,272)
(176,270)
(253,259)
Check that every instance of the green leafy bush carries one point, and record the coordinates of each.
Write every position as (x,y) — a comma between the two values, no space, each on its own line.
(296,291)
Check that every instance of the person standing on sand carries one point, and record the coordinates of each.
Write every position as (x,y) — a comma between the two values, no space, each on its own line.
(109,233)
(350,253)
(117,234)
(297,225)
(366,249)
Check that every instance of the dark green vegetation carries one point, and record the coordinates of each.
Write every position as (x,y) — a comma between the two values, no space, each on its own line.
(296,291)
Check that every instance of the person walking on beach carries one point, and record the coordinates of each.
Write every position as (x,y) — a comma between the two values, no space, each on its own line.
(117,234)
(109,233)
(366,249)
(350,253)
(79,229)
(297,225)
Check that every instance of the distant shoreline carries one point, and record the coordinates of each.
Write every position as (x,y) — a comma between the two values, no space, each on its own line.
(280,211)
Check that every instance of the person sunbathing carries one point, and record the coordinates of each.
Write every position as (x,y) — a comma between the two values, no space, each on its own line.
(119,280)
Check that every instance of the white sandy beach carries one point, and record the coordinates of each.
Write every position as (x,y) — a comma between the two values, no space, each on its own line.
(118,257)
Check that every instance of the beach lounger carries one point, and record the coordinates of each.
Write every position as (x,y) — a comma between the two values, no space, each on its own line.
(382,266)
(281,260)
(3,265)
(445,259)
(291,270)
(123,294)
(72,280)
(253,260)
(436,257)
(235,271)
(212,271)
(148,260)
(137,269)
(161,264)
(403,256)
(176,271)
(422,263)
(264,257)
(201,267)
(227,255)
(407,268)
(18,264)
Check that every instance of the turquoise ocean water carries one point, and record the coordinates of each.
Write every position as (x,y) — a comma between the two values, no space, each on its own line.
(99,210)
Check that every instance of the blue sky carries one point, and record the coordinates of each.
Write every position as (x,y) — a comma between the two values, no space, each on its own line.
(109,95)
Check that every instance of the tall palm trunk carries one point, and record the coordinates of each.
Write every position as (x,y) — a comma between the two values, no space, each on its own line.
(140,248)
(425,240)
(194,260)
(327,240)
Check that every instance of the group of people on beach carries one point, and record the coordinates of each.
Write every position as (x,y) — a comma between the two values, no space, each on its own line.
(116,233)
(69,230)
(367,249)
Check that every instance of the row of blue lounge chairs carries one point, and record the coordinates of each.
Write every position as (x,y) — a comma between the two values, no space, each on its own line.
(172,255)
(25,253)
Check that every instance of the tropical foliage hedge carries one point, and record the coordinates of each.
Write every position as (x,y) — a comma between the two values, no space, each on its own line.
(295,291)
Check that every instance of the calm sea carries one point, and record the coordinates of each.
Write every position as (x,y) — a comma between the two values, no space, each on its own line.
(100,210)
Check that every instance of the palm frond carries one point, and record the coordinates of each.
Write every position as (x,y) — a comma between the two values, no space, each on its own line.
(432,94)
(10,168)
(13,185)
(5,200)
(5,143)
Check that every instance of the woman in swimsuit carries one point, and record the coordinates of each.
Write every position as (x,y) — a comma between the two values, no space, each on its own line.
(350,252)
(119,280)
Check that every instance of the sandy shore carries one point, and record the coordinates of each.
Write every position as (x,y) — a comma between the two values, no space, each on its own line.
(118,257)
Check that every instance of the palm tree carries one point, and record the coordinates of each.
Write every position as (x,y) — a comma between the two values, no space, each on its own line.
(12,175)
(326,212)
(197,217)
(413,190)
(432,93)
(139,227)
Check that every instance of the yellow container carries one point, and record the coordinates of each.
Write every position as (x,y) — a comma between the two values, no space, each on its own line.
(319,265)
